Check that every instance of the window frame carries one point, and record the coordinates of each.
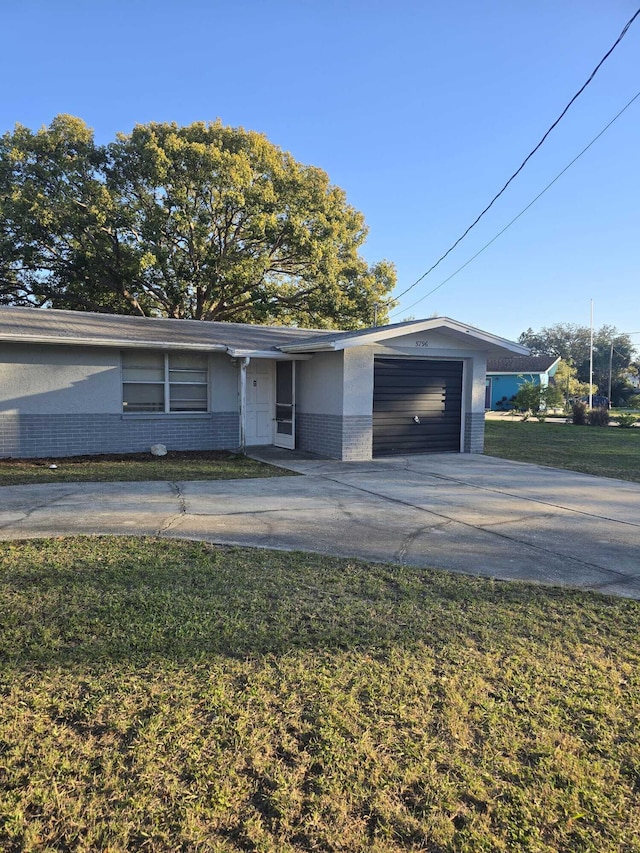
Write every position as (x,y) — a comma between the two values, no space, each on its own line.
(166,383)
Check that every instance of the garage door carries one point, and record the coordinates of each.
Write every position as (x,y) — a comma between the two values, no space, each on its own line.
(417,406)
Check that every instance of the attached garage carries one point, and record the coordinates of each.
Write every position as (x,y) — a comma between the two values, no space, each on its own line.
(417,406)
(79,383)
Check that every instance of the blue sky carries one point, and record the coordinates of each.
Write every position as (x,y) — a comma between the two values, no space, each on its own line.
(420,111)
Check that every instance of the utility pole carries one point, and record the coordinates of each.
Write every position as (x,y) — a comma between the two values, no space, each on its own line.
(610,372)
(591,361)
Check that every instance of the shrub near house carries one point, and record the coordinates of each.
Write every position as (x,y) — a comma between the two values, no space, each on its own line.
(533,398)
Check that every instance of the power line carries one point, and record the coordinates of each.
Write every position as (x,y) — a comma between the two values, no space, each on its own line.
(528,157)
(524,210)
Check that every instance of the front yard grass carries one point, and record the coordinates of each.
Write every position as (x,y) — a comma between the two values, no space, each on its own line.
(173,696)
(175,466)
(603,451)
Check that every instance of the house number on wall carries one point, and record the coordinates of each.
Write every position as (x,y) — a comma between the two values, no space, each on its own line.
(422,343)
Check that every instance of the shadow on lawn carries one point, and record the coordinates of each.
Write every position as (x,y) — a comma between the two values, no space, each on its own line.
(102,601)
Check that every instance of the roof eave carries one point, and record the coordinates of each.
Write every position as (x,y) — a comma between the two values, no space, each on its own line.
(515,372)
(115,343)
(329,346)
(379,334)
(277,355)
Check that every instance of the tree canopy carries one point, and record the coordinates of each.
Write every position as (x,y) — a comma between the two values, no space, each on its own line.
(566,379)
(572,343)
(205,222)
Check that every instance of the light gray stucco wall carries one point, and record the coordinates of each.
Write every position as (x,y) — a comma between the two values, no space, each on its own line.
(224,379)
(60,400)
(42,380)
(319,384)
(38,379)
(358,381)
(334,400)
(475,371)
(357,408)
(336,383)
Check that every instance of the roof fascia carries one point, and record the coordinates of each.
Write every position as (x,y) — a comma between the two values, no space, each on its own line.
(478,335)
(515,372)
(277,355)
(375,334)
(114,343)
(383,333)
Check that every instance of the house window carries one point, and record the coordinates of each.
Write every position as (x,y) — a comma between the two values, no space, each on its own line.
(164,382)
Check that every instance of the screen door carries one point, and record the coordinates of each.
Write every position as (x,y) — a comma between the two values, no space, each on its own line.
(285,404)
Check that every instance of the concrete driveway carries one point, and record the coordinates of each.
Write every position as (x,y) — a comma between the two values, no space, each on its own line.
(466,513)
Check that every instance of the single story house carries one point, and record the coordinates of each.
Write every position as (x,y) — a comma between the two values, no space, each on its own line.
(505,376)
(74,383)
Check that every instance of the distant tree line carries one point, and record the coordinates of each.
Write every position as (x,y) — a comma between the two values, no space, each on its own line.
(613,354)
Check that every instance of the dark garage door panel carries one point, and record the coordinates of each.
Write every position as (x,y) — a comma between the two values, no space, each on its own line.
(404,388)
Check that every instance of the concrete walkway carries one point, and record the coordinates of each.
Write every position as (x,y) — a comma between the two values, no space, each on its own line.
(466,513)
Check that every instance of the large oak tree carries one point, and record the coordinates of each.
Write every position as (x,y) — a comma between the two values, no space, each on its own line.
(205,222)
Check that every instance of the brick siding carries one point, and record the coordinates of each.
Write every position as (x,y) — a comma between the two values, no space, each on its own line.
(347,438)
(357,437)
(474,432)
(77,435)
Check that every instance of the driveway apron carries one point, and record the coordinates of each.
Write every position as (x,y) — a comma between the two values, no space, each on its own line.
(465,513)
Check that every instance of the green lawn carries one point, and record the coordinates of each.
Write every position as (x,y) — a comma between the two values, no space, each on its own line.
(176,465)
(172,696)
(604,451)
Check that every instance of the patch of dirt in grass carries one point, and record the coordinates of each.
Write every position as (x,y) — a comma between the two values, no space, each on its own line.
(121,467)
(194,455)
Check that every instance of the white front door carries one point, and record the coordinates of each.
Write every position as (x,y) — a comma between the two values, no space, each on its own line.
(259,426)
(285,404)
